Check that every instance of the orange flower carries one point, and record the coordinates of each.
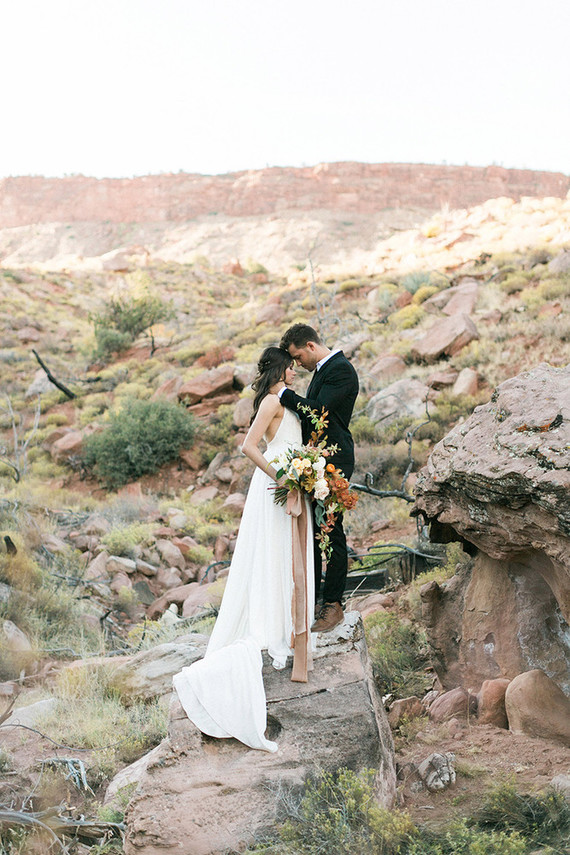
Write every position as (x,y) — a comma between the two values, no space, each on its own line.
(330,467)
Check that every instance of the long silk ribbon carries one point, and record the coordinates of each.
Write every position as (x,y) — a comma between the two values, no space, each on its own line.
(300,642)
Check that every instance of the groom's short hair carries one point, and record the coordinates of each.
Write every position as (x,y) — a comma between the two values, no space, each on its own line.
(298,335)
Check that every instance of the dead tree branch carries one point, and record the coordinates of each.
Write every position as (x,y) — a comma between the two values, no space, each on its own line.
(53,379)
(401,493)
(18,458)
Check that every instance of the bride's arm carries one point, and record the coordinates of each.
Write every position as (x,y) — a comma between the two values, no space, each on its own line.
(267,411)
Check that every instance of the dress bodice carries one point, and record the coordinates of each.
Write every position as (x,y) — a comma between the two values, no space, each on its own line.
(288,434)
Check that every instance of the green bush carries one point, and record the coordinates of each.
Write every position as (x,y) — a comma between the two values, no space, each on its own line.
(543,818)
(338,815)
(407,317)
(124,318)
(412,282)
(140,438)
(399,654)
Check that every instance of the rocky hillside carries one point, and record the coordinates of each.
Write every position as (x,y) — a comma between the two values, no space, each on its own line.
(336,213)
(112,562)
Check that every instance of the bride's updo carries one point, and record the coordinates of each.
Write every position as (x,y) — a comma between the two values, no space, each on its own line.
(272,365)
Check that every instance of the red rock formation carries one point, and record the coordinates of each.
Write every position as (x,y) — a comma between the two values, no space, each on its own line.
(501,481)
(353,187)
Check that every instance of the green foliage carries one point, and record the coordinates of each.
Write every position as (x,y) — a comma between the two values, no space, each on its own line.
(412,282)
(363,429)
(124,318)
(217,433)
(90,714)
(543,818)
(122,540)
(140,438)
(398,653)
(514,282)
(338,815)
(349,285)
(424,292)
(407,317)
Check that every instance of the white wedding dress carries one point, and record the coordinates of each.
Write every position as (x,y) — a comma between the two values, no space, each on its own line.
(223,693)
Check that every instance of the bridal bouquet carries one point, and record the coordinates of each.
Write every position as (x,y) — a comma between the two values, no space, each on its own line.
(307,469)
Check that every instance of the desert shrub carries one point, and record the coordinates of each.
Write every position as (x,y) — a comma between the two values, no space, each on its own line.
(407,317)
(217,433)
(349,285)
(385,295)
(122,540)
(123,319)
(140,438)
(543,818)
(423,293)
(338,814)
(90,714)
(413,281)
(363,429)
(514,282)
(398,653)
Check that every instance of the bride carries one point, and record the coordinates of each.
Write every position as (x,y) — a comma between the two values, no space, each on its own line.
(223,693)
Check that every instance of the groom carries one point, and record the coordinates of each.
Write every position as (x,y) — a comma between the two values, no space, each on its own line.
(333,388)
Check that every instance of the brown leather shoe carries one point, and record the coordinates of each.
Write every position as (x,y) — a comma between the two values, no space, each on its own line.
(330,615)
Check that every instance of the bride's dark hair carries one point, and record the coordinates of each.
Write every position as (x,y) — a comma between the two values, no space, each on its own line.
(273,363)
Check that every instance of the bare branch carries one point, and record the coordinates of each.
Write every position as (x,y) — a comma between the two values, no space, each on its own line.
(53,379)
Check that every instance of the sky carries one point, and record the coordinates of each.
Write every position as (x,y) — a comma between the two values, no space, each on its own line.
(117,88)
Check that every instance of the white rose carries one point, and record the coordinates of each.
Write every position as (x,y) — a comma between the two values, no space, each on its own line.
(321,489)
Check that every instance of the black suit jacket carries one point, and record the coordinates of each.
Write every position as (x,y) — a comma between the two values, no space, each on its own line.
(333,388)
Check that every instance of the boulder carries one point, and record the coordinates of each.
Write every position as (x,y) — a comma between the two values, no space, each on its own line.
(537,706)
(169,389)
(235,504)
(271,314)
(467,382)
(441,379)
(560,263)
(491,703)
(459,299)
(55,544)
(174,595)
(216,381)
(116,564)
(561,783)
(437,771)
(169,577)
(68,446)
(145,568)
(218,793)
(127,777)
(243,412)
(149,673)
(120,582)
(96,524)
(404,709)
(386,367)
(211,405)
(203,494)
(399,399)
(445,338)
(453,704)
(28,334)
(200,596)
(500,482)
(40,385)
(170,554)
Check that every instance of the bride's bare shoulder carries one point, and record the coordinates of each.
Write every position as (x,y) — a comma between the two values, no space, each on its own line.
(271,403)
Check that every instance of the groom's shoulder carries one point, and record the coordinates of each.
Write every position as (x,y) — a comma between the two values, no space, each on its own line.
(339,362)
